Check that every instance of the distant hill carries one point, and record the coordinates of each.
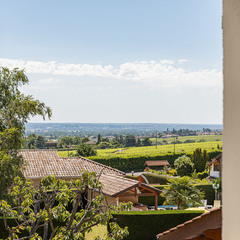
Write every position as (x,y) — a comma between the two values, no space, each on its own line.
(108,129)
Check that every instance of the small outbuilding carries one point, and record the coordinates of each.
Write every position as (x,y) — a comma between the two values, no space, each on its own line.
(215,166)
(157,164)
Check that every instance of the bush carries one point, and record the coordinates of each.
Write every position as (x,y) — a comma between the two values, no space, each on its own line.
(189,141)
(103,145)
(202,175)
(85,150)
(155,178)
(172,172)
(208,192)
(155,171)
(147,224)
(184,166)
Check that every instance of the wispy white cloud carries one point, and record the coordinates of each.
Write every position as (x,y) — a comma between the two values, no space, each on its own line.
(181,61)
(164,73)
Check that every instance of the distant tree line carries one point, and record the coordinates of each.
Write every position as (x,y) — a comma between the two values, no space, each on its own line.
(180,132)
(122,141)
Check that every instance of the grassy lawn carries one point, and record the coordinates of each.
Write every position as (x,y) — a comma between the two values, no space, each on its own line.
(100,230)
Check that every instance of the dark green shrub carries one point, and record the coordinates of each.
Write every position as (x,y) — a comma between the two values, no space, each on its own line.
(156,178)
(208,192)
(147,224)
(202,175)
(200,158)
(85,150)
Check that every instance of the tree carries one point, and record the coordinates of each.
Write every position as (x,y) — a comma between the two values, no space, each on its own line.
(105,139)
(85,150)
(130,141)
(99,138)
(15,110)
(85,139)
(77,140)
(61,208)
(138,143)
(184,166)
(40,141)
(66,141)
(181,191)
(146,141)
(104,145)
(31,141)
(199,158)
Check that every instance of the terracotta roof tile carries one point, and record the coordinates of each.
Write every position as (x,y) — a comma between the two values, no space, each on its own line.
(181,226)
(115,185)
(42,163)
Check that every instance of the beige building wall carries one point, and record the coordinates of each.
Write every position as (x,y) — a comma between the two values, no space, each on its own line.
(231,129)
(132,199)
(36,182)
(109,200)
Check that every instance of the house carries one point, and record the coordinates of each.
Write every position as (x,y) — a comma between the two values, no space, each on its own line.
(44,162)
(40,163)
(215,166)
(157,165)
(207,226)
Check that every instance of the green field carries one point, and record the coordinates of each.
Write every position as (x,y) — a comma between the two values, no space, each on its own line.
(160,150)
(65,153)
(152,150)
(206,138)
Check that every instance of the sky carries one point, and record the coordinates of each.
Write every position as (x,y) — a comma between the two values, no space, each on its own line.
(129,61)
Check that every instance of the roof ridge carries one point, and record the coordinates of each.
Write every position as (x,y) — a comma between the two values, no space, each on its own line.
(123,177)
(189,221)
(97,163)
(37,150)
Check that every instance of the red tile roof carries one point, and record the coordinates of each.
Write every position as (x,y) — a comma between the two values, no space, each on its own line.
(157,163)
(42,163)
(115,185)
(217,159)
(204,222)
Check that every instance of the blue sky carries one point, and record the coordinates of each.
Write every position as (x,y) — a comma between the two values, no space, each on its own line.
(118,61)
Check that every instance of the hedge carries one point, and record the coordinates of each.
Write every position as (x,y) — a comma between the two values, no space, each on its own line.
(129,164)
(147,224)
(206,188)
(208,191)
(157,178)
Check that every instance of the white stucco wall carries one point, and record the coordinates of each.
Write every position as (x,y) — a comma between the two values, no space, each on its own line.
(231,131)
